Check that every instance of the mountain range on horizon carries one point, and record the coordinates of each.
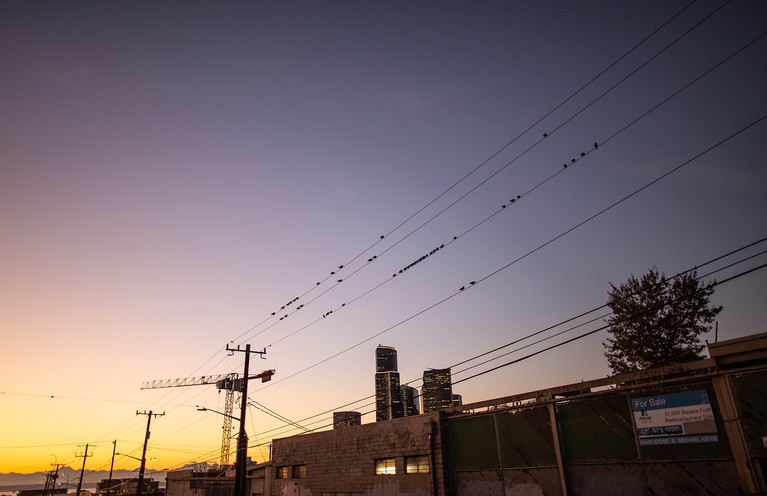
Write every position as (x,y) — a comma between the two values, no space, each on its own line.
(68,477)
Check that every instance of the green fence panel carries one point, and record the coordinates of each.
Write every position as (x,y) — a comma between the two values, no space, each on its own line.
(751,395)
(526,438)
(598,429)
(473,443)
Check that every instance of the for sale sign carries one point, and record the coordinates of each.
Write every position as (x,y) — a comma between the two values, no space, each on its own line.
(678,418)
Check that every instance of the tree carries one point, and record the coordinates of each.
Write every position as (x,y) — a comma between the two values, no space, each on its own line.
(657,321)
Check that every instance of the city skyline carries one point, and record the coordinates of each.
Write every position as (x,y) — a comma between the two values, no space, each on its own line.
(458,181)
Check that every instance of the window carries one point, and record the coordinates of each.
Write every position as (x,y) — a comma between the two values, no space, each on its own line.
(282,472)
(417,464)
(299,471)
(385,466)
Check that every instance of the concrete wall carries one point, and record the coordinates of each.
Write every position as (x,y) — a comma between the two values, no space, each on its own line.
(342,461)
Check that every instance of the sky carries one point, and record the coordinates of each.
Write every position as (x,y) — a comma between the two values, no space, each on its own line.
(172,174)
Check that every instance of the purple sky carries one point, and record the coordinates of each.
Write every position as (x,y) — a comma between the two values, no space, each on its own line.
(171,173)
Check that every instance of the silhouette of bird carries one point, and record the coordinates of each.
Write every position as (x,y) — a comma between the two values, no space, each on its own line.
(503,206)
(340,266)
(462,288)
(545,135)
(573,160)
(596,145)
(339,280)
(583,154)
(382,236)
(318,284)
(455,237)
(274,313)
(332,273)
(473,283)
(565,166)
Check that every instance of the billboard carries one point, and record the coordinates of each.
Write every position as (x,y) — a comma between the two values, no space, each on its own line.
(677,418)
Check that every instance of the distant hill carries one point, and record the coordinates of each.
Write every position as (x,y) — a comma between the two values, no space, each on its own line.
(68,477)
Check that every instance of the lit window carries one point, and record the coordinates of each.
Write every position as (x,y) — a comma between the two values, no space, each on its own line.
(299,471)
(385,466)
(282,472)
(417,464)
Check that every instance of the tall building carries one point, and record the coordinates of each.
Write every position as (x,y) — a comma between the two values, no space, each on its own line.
(388,396)
(409,401)
(437,391)
(388,391)
(346,419)
(457,400)
(386,359)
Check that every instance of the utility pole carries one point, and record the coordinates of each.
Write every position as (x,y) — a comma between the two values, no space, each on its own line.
(50,480)
(149,414)
(242,443)
(111,466)
(84,456)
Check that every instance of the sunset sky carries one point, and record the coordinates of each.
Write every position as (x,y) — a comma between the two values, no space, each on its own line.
(172,173)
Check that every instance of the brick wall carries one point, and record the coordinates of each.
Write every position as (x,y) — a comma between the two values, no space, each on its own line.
(342,461)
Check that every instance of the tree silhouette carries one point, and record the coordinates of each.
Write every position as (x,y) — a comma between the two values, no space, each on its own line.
(657,321)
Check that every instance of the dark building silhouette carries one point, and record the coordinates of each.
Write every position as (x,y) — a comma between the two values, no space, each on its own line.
(437,391)
(386,359)
(409,401)
(388,396)
(346,419)
(126,487)
(457,400)
(388,391)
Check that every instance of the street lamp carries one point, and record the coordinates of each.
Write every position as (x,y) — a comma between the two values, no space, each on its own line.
(129,456)
(203,409)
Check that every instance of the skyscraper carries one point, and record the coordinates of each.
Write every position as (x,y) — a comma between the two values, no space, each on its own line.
(437,391)
(388,391)
(409,401)
(386,359)
(388,396)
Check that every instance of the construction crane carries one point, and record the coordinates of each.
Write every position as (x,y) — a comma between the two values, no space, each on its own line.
(228,382)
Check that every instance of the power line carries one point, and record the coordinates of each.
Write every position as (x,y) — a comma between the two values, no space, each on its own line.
(506,266)
(495,154)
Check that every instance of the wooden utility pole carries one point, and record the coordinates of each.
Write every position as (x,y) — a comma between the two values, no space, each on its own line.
(140,488)
(50,480)
(242,443)
(111,466)
(84,456)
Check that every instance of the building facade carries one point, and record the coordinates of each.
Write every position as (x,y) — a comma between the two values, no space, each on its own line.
(386,359)
(437,390)
(346,419)
(388,392)
(410,399)
(388,396)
